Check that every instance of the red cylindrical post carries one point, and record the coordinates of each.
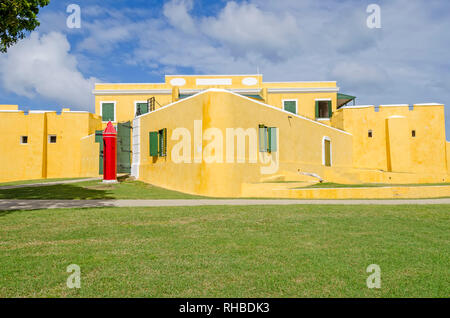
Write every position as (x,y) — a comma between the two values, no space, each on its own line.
(109,154)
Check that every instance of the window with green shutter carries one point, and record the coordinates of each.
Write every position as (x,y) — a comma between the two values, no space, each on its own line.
(268,141)
(158,143)
(153,146)
(263,138)
(290,106)
(162,149)
(141,108)
(323,109)
(272,139)
(108,110)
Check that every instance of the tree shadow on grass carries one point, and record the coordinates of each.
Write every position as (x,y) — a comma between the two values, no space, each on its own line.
(56,192)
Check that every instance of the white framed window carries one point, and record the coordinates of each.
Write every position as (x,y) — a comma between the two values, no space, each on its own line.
(23,140)
(140,104)
(108,111)
(52,139)
(290,105)
(324,109)
(326,151)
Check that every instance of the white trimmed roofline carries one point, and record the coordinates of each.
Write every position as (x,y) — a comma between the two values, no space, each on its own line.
(299,82)
(391,105)
(211,75)
(195,90)
(132,91)
(249,99)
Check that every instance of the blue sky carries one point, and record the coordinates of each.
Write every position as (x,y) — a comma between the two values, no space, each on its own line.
(405,61)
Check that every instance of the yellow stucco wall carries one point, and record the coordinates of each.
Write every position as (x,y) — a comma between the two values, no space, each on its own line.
(126,95)
(39,159)
(300,142)
(392,147)
(89,158)
(388,192)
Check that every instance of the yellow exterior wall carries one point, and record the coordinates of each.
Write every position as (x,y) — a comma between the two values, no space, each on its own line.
(89,158)
(300,145)
(39,159)
(393,192)
(9,107)
(125,95)
(392,147)
(392,155)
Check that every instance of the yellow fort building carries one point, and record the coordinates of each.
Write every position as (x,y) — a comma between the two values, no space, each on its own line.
(236,136)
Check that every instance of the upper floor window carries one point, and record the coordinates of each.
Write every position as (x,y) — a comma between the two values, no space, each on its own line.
(108,111)
(52,139)
(369,134)
(141,108)
(413,133)
(23,140)
(323,109)
(290,105)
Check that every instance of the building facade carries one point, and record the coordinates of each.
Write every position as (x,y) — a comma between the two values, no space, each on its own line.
(223,135)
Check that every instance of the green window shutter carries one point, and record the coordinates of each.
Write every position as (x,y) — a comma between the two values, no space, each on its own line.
(262,138)
(330,109)
(290,106)
(143,108)
(108,112)
(162,150)
(317,109)
(99,136)
(273,139)
(153,140)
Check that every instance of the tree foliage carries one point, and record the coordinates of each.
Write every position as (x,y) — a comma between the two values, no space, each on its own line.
(17,18)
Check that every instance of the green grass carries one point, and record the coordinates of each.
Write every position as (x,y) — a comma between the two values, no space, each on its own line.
(253,251)
(365,185)
(94,190)
(35,181)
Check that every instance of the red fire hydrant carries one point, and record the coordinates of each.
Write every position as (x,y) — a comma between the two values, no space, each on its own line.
(109,154)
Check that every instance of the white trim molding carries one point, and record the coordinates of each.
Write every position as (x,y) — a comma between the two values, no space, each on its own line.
(323,150)
(395,105)
(290,100)
(355,106)
(132,92)
(136,148)
(304,90)
(115,110)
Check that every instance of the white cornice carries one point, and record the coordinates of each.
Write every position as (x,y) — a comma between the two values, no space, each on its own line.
(132,92)
(304,90)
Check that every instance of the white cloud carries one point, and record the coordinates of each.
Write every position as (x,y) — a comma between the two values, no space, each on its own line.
(246,29)
(177,12)
(42,65)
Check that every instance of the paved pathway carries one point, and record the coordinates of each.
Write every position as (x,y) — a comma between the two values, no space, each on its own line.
(54,204)
(43,184)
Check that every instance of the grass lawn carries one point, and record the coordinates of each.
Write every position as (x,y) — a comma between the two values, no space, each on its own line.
(94,190)
(252,251)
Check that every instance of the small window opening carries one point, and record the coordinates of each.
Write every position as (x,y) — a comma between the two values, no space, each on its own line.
(370,134)
(23,139)
(52,139)
(413,133)
(323,109)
